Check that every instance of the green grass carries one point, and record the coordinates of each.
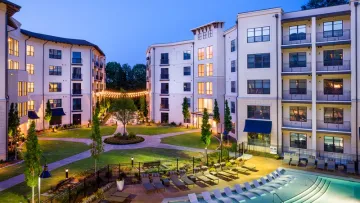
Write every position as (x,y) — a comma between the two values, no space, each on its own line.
(154,130)
(112,157)
(52,151)
(190,140)
(80,133)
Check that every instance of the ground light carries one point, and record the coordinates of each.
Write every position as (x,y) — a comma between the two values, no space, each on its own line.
(132,161)
(66,173)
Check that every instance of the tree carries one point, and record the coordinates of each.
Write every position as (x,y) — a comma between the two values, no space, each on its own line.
(139,77)
(32,159)
(13,126)
(205,128)
(48,112)
(311,4)
(124,110)
(114,75)
(227,119)
(146,110)
(96,146)
(143,108)
(216,117)
(185,110)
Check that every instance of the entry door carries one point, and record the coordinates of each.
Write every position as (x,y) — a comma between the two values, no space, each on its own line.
(77,119)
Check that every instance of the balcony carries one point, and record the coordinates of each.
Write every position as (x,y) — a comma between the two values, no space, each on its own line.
(164,61)
(296,67)
(333,66)
(164,76)
(300,96)
(76,91)
(343,126)
(76,60)
(76,76)
(335,95)
(297,39)
(333,36)
(302,124)
(101,65)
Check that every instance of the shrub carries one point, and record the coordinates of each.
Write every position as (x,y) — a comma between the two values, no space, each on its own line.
(132,135)
(118,135)
(125,134)
(180,124)
(173,123)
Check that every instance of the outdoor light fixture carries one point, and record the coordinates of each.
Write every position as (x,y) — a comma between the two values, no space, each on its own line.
(67,173)
(132,161)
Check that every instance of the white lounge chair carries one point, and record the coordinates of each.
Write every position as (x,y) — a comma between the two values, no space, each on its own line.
(275,179)
(229,194)
(221,198)
(207,197)
(193,198)
(276,185)
(282,175)
(240,191)
(263,187)
(254,190)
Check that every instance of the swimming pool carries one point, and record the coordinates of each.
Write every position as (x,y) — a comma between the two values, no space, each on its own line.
(310,187)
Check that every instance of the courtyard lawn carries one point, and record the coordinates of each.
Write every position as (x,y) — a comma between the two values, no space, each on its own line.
(112,157)
(190,140)
(52,151)
(80,133)
(155,130)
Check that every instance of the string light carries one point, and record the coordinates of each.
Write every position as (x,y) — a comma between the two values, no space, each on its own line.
(111,94)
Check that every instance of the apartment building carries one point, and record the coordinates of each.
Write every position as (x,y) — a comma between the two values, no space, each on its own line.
(39,68)
(290,78)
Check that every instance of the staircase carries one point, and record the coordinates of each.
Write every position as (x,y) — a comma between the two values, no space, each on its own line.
(313,193)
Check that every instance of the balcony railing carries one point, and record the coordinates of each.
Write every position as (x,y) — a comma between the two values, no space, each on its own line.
(164,76)
(333,35)
(305,124)
(76,61)
(333,65)
(293,39)
(324,96)
(76,76)
(164,91)
(345,126)
(299,67)
(287,95)
(164,61)
(76,91)
(76,107)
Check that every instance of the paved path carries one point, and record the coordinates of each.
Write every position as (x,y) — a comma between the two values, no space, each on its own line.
(150,141)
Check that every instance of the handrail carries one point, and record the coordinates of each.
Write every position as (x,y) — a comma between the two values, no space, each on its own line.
(278,197)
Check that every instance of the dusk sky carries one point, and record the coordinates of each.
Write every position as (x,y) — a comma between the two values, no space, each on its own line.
(125,28)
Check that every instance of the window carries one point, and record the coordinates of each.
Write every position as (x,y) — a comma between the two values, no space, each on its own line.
(76,57)
(201,54)
(209,88)
(259,139)
(258,60)
(54,54)
(164,75)
(76,73)
(189,102)
(54,87)
(30,87)
(297,59)
(298,140)
(209,52)
(333,57)
(77,104)
(201,88)
(22,109)
(333,144)
(298,113)
(258,87)
(55,103)
(233,66)
(76,88)
(233,86)
(333,115)
(55,70)
(333,86)
(210,33)
(13,65)
(297,32)
(204,35)
(164,60)
(261,34)
(31,105)
(205,103)
(187,70)
(333,29)
(187,87)
(199,36)
(298,86)
(30,50)
(13,46)
(232,45)
(201,70)
(209,69)
(30,68)
(187,55)
(20,89)
(164,117)
(164,103)
(259,112)
(164,88)
(232,107)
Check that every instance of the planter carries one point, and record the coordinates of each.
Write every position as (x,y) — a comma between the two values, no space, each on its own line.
(120,185)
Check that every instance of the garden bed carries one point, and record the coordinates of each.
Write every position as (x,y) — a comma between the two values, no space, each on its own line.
(123,140)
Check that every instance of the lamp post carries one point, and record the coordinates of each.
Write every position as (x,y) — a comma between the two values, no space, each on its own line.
(132,161)
(221,147)
(206,154)
(66,173)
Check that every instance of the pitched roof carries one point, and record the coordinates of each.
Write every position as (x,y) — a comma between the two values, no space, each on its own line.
(61,39)
(11,7)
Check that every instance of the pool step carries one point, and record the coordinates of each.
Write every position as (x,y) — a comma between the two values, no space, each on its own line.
(319,193)
(314,193)
(306,192)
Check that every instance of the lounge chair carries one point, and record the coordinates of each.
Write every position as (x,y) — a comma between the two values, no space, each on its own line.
(207,197)
(295,159)
(287,158)
(278,180)
(350,167)
(174,178)
(320,164)
(211,177)
(221,198)
(193,198)
(229,194)
(227,170)
(240,191)
(311,161)
(219,172)
(276,185)
(253,190)
(282,175)
(202,178)
(331,165)
(146,184)
(186,180)
(263,187)
(157,182)
(248,166)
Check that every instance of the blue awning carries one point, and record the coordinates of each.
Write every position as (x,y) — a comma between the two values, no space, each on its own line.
(32,115)
(258,126)
(57,112)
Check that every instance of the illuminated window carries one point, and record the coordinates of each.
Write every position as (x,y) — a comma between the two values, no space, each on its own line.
(13,65)
(30,87)
(31,105)
(209,88)
(54,87)
(201,88)
(201,70)
(209,69)
(55,103)
(20,89)
(13,47)
(30,68)
(55,70)
(209,52)
(205,103)
(30,50)
(201,53)
(25,88)
(22,109)
(19,108)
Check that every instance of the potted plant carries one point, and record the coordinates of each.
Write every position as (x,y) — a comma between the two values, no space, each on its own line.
(120,181)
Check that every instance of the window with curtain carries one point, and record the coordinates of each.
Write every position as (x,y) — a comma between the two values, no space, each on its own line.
(333,115)
(298,113)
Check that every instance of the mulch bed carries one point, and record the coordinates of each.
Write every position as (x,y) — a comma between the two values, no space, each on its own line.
(123,140)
